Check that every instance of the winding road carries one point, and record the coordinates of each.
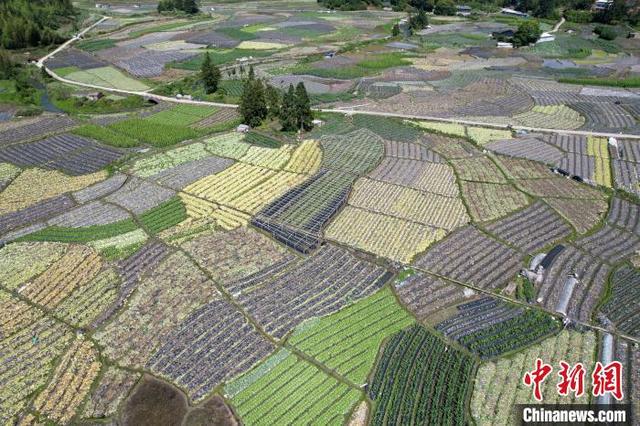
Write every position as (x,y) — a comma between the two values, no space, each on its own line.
(68,43)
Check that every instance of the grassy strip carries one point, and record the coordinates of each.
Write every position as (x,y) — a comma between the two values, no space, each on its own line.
(237,34)
(81,235)
(106,135)
(220,57)
(95,45)
(164,216)
(611,82)
(261,140)
(153,133)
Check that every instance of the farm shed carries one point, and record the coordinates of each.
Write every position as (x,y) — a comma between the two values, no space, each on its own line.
(243,128)
(551,256)
(565,297)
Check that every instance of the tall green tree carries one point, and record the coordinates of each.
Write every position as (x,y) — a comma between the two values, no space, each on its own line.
(304,117)
(272,97)
(288,110)
(210,74)
(253,106)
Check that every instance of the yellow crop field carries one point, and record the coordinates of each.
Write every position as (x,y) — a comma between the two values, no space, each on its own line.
(34,185)
(268,157)
(386,236)
(406,203)
(598,148)
(306,158)
(76,268)
(71,382)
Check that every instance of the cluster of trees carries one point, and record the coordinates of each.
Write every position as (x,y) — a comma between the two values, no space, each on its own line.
(260,101)
(187,6)
(32,23)
(528,32)
(349,4)
(438,7)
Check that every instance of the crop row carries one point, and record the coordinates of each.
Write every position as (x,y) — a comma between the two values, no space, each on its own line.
(410,151)
(71,382)
(214,343)
(328,280)
(604,117)
(306,158)
(100,189)
(491,333)
(76,268)
(27,366)
(489,201)
(387,128)
(164,216)
(385,236)
(348,341)
(628,150)
(519,168)
(230,256)
(21,262)
(357,152)
(89,300)
(610,244)
(626,176)
(18,314)
(131,270)
(185,174)
(529,148)
(83,234)
(469,256)
(139,196)
(166,161)
(90,214)
(33,186)
(35,213)
(619,308)
(532,228)
(35,129)
(181,115)
(478,169)
(559,187)
(406,203)
(244,187)
(551,117)
(69,153)
(420,380)
(294,391)
(105,398)
(153,133)
(159,303)
(223,115)
(424,295)
(624,214)
(499,386)
(421,175)
(582,214)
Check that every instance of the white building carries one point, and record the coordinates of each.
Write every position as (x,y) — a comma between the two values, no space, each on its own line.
(243,128)
(545,37)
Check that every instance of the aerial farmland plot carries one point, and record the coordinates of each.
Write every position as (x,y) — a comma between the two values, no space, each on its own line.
(291,213)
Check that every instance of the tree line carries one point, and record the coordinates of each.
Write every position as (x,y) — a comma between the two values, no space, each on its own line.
(32,23)
(189,7)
